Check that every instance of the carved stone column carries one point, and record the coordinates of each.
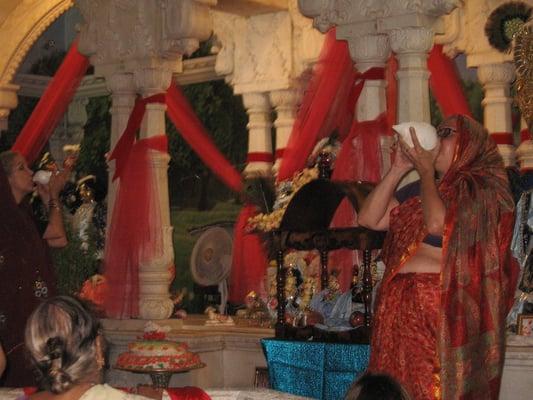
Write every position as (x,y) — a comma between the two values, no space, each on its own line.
(411,46)
(146,40)
(259,134)
(370,51)
(71,130)
(8,102)
(286,104)
(496,80)
(123,93)
(154,275)
(524,152)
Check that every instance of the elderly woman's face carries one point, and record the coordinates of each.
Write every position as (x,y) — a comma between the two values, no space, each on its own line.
(20,176)
(447,132)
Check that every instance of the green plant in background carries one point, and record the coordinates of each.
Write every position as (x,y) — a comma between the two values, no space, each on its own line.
(474,94)
(74,265)
(95,144)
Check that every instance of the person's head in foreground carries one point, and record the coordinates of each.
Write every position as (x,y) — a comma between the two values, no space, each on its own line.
(65,345)
(376,387)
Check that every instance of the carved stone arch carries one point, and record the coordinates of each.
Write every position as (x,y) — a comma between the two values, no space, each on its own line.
(23,26)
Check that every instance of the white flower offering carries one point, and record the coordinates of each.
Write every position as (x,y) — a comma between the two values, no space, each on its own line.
(426,134)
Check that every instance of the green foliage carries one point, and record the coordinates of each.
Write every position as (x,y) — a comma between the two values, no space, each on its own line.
(95,144)
(224,118)
(73,265)
(474,95)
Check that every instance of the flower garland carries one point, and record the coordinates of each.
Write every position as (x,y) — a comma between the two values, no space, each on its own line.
(266,222)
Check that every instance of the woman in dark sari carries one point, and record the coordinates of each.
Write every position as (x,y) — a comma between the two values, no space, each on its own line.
(439,325)
(26,272)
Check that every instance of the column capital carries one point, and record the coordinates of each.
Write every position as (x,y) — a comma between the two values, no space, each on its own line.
(256,101)
(117,32)
(411,40)
(369,50)
(120,82)
(152,79)
(285,98)
(503,73)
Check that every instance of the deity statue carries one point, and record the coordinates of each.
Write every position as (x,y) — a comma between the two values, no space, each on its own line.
(83,216)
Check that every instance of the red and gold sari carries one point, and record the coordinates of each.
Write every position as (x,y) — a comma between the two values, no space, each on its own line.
(476,285)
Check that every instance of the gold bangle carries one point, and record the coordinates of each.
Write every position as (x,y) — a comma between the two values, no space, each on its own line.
(54,203)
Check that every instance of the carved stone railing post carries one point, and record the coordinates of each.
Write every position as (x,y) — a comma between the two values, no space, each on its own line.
(285,102)
(496,80)
(259,134)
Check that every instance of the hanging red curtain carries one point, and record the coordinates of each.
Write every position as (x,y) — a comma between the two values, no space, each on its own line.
(52,105)
(445,84)
(134,233)
(324,107)
(192,130)
(249,259)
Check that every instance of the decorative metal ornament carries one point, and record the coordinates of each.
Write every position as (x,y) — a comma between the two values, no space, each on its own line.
(504,22)
(523,60)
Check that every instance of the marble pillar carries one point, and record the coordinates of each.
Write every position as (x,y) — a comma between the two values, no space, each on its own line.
(285,102)
(370,51)
(154,274)
(496,80)
(259,126)
(411,46)
(123,93)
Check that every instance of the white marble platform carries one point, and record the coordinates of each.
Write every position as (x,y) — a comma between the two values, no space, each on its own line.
(233,353)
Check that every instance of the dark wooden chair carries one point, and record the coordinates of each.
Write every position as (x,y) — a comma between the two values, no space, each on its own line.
(305,226)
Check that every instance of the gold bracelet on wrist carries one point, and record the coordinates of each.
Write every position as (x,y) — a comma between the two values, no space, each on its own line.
(54,203)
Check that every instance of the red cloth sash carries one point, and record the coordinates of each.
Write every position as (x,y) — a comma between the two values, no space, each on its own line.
(52,105)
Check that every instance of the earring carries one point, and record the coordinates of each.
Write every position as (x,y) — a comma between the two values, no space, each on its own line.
(100,362)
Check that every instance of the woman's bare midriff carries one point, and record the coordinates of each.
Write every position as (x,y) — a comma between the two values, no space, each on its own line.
(426,260)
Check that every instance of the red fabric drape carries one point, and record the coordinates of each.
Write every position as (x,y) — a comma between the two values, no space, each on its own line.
(249,258)
(187,393)
(324,107)
(445,84)
(135,233)
(52,105)
(191,129)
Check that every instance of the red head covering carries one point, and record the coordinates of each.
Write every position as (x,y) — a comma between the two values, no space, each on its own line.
(478,273)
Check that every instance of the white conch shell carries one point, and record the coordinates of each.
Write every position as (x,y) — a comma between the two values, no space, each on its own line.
(42,177)
(426,134)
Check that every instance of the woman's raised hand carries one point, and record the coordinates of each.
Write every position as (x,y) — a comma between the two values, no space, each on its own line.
(400,162)
(423,160)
